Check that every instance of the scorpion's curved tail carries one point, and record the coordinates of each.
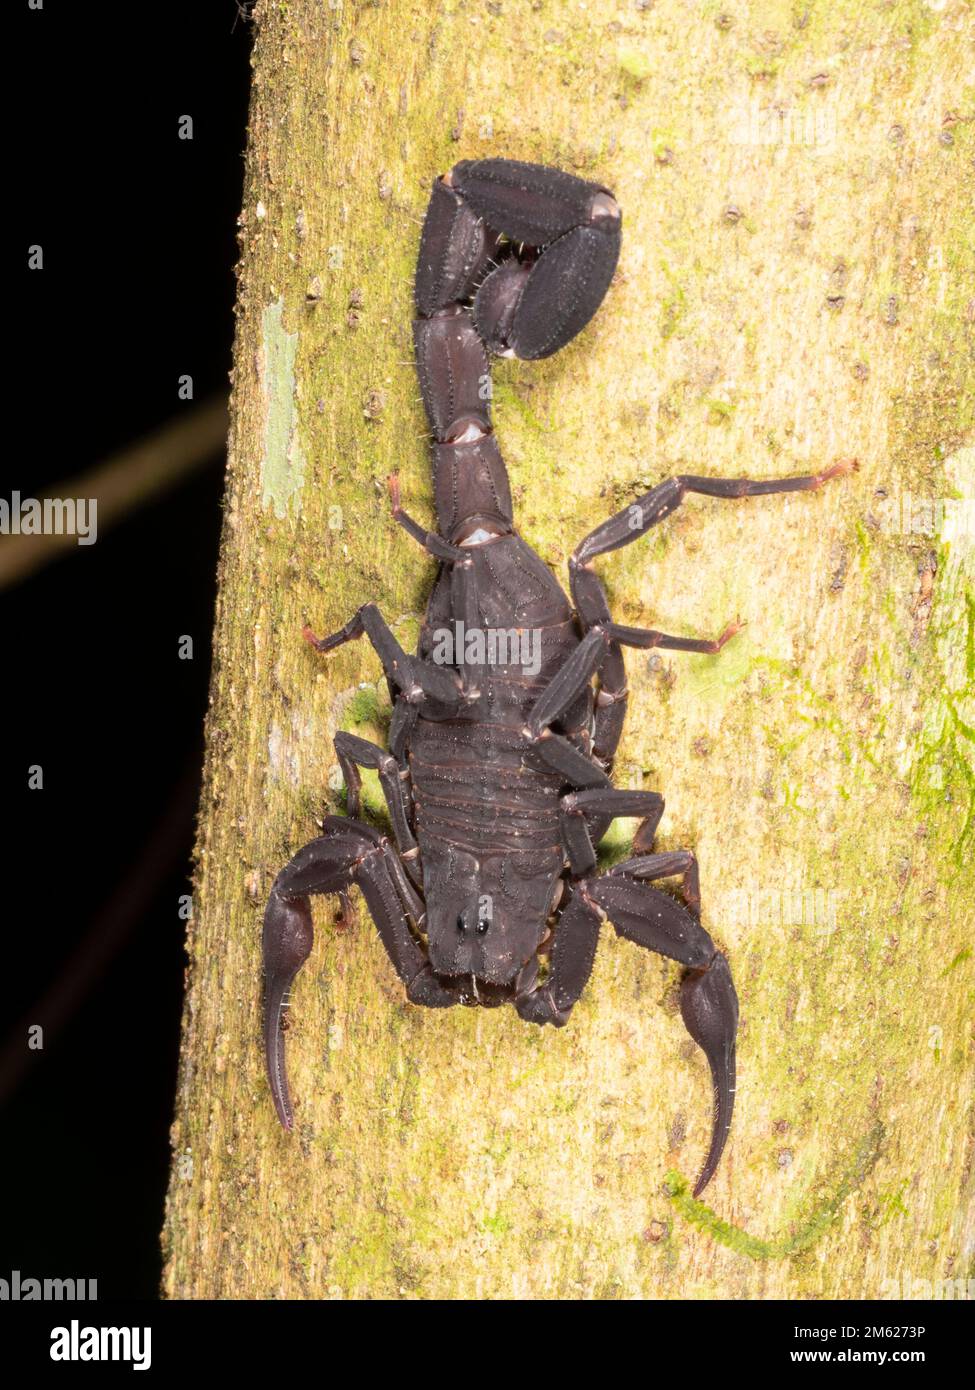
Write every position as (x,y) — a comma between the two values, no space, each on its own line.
(514,259)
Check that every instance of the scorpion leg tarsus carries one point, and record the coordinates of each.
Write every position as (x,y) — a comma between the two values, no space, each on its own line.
(416,680)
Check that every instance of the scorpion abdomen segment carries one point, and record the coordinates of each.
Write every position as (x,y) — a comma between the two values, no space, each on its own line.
(453,369)
(517,588)
(530,305)
(531,203)
(471,489)
(455,246)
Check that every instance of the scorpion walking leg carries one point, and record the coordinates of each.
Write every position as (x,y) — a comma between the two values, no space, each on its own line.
(650,867)
(417,680)
(557,751)
(463,586)
(346,853)
(400,728)
(637,519)
(577,812)
(354,753)
(599,652)
(433,543)
(563,757)
(634,521)
(588,656)
(709,1005)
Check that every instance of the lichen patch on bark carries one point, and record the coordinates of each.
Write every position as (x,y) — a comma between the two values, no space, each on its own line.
(283,461)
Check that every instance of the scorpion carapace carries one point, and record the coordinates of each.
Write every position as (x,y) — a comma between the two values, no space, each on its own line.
(506,720)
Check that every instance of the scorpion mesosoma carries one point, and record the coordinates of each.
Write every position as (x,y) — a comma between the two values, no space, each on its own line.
(497,777)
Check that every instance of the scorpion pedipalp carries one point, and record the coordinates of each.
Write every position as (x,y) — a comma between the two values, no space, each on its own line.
(709,1008)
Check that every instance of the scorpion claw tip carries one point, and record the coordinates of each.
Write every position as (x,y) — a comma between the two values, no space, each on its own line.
(274,1053)
(709,1007)
(286,945)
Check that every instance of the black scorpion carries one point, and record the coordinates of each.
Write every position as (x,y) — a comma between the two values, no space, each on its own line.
(500,746)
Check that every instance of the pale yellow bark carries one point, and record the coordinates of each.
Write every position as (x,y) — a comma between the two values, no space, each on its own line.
(795,285)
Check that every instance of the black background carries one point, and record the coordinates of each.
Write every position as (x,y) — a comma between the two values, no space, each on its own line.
(139,235)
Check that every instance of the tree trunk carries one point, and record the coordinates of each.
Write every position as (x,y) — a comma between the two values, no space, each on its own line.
(794,287)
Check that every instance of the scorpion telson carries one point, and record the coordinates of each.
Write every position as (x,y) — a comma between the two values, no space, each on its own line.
(497,776)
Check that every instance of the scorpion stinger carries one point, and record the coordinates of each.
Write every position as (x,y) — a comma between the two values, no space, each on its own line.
(507,718)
